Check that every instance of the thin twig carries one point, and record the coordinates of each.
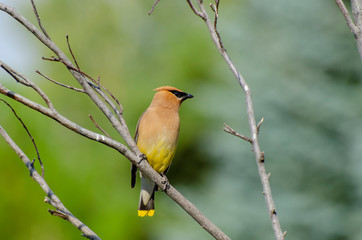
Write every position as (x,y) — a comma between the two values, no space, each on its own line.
(215,9)
(60,84)
(153,7)
(354,29)
(120,108)
(259,125)
(99,127)
(18,77)
(93,84)
(97,86)
(55,201)
(38,19)
(48,200)
(69,66)
(354,25)
(197,12)
(58,214)
(53,114)
(25,81)
(228,129)
(29,134)
(71,52)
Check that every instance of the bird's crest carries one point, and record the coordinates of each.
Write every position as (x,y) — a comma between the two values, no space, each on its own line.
(166,88)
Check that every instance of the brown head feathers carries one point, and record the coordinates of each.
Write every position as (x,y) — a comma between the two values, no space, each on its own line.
(166,88)
(172,94)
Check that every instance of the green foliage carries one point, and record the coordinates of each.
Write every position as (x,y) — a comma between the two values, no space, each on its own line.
(303,68)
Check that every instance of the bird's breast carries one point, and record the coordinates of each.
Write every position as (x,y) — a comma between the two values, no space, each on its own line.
(157,137)
(159,154)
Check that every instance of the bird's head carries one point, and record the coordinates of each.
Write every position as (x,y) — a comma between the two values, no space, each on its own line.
(171,96)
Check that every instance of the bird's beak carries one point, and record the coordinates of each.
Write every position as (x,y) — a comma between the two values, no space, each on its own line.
(186,97)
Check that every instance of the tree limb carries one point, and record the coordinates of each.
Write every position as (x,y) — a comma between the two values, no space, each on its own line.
(30,136)
(355,24)
(254,128)
(53,199)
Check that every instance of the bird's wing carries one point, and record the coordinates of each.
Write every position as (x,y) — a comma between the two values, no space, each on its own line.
(133,167)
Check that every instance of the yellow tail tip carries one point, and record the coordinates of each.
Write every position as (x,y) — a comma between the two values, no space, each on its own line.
(143,213)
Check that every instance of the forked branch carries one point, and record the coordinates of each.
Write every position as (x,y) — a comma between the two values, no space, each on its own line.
(52,199)
(30,136)
(355,24)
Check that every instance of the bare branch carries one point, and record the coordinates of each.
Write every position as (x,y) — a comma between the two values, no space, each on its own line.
(23,80)
(118,110)
(58,214)
(29,134)
(215,8)
(38,19)
(68,124)
(228,129)
(197,12)
(54,200)
(357,12)
(60,84)
(18,77)
(259,124)
(354,25)
(97,87)
(99,127)
(71,52)
(153,7)
(347,16)
(215,36)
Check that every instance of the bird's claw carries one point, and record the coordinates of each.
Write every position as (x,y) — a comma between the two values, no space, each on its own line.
(142,157)
(165,183)
(166,186)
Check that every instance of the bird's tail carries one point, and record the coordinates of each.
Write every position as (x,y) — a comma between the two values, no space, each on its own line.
(146,205)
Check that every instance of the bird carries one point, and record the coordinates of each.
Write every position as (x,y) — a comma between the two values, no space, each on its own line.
(156,137)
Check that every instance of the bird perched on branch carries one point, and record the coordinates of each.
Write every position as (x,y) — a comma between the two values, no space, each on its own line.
(156,136)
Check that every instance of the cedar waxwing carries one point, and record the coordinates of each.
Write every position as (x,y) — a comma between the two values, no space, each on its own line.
(156,136)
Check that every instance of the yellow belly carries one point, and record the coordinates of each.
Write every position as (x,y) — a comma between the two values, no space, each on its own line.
(159,155)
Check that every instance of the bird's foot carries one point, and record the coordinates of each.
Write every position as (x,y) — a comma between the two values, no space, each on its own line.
(165,182)
(142,157)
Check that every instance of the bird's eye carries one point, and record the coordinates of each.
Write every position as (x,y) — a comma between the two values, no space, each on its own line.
(177,93)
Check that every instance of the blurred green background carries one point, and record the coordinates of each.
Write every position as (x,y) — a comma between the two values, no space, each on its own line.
(302,65)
